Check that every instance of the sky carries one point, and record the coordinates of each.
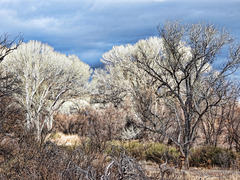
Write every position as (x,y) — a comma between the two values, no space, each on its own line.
(89,28)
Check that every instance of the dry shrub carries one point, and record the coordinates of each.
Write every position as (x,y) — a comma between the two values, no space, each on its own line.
(70,124)
(46,160)
(209,157)
(62,139)
(11,117)
(104,125)
(99,125)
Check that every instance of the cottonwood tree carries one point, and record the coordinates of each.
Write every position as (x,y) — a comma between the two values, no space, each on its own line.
(47,78)
(121,77)
(121,81)
(179,67)
(111,84)
(186,76)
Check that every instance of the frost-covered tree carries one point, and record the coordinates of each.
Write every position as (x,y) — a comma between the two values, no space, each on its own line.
(47,79)
(111,84)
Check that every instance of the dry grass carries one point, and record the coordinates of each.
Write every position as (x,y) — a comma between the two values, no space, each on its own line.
(62,139)
(213,174)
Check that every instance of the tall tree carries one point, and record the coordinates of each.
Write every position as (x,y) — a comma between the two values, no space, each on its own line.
(185,82)
(187,76)
(47,78)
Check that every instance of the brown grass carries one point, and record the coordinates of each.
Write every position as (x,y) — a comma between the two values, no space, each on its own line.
(62,139)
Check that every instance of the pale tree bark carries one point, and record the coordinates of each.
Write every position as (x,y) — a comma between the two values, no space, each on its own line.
(47,79)
(178,72)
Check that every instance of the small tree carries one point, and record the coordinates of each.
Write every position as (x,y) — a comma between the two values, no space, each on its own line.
(8,83)
(47,79)
(233,121)
(218,121)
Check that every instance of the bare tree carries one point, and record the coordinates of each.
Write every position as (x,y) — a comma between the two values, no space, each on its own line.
(179,73)
(8,83)
(7,45)
(233,121)
(186,79)
(217,121)
(47,79)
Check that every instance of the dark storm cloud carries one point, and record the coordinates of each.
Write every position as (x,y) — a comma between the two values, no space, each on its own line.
(89,28)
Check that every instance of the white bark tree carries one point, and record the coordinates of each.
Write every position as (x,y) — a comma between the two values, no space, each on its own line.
(179,67)
(47,78)
(111,83)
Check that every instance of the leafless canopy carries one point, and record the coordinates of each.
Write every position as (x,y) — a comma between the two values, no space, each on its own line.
(188,81)
(7,44)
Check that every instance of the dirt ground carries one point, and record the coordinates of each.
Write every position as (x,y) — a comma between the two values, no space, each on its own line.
(196,173)
(171,173)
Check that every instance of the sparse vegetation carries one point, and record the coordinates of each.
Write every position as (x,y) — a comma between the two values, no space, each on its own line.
(150,151)
(155,108)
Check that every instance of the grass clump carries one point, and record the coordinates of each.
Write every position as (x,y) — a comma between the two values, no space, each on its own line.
(159,153)
(149,151)
(204,157)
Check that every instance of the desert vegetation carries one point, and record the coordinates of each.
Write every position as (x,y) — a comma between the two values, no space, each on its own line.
(163,108)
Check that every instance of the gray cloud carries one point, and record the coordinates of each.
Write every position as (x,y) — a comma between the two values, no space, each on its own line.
(89,28)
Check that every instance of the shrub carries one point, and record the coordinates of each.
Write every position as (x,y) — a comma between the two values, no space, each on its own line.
(108,122)
(47,160)
(209,156)
(149,151)
(160,153)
